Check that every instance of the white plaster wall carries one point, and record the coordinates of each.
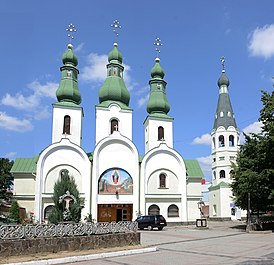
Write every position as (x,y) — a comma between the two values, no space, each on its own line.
(151,132)
(65,155)
(226,200)
(194,187)
(104,117)
(115,151)
(214,199)
(24,184)
(76,115)
(167,160)
(193,210)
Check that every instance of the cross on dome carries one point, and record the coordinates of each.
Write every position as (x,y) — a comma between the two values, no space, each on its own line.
(116,26)
(223,63)
(158,44)
(71,29)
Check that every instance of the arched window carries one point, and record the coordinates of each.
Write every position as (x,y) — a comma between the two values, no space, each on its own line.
(221,141)
(213,142)
(66,126)
(173,211)
(161,135)
(64,173)
(162,181)
(47,211)
(231,174)
(222,174)
(113,126)
(153,210)
(231,140)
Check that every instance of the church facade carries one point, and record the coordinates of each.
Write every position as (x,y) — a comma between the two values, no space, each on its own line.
(115,182)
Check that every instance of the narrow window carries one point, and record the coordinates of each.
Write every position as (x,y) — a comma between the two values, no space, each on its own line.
(221,141)
(161,133)
(162,180)
(113,126)
(214,175)
(231,140)
(222,174)
(47,211)
(213,142)
(153,210)
(66,127)
(173,211)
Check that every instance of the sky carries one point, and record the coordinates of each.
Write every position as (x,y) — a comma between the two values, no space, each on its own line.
(195,35)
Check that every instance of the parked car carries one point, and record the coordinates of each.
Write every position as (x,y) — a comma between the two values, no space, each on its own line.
(151,221)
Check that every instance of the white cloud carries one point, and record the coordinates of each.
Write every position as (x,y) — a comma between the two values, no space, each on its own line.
(79,47)
(205,164)
(10,155)
(95,71)
(204,139)
(261,42)
(13,124)
(142,101)
(47,90)
(255,127)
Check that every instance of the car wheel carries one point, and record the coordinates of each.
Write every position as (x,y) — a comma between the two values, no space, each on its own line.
(149,228)
(160,228)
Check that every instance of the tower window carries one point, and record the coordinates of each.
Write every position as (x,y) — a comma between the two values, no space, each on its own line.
(221,141)
(222,174)
(231,140)
(161,133)
(66,127)
(173,211)
(214,175)
(113,126)
(213,142)
(162,180)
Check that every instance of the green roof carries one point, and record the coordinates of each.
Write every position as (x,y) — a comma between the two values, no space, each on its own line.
(24,165)
(193,169)
(106,104)
(218,186)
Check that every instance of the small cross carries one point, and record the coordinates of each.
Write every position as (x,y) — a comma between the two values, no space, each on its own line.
(116,26)
(223,63)
(158,44)
(71,29)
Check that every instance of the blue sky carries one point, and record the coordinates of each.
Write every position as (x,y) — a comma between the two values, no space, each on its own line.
(195,34)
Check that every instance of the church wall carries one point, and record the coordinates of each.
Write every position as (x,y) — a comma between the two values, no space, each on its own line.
(24,184)
(193,211)
(226,200)
(104,117)
(194,187)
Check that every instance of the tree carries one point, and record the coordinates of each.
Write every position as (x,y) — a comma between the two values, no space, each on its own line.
(65,184)
(254,171)
(5,178)
(14,212)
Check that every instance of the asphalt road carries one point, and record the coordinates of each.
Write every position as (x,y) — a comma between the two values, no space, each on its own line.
(221,243)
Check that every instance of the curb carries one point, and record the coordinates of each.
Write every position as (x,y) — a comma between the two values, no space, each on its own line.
(86,257)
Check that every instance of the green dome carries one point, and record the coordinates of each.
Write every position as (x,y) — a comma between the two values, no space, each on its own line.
(223,80)
(157,71)
(114,54)
(69,57)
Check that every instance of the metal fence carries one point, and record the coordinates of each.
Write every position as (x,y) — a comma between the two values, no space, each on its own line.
(62,230)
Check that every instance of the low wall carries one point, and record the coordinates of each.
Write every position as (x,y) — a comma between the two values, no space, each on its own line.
(56,244)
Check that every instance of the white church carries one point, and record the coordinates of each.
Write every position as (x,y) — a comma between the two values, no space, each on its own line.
(115,182)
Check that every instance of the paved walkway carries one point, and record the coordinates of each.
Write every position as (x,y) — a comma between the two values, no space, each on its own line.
(221,243)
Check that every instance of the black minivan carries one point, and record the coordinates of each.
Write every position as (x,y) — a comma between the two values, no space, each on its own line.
(151,221)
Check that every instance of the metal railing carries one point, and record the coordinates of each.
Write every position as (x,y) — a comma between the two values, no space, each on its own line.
(62,230)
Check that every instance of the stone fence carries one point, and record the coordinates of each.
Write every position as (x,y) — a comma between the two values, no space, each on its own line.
(33,239)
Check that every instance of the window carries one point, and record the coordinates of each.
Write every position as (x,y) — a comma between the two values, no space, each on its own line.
(47,211)
(213,142)
(221,114)
(114,126)
(221,141)
(153,210)
(64,173)
(173,211)
(222,174)
(66,127)
(232,174)
(221,158)
(214,175)
(231,140)
(162,180)
(161,133)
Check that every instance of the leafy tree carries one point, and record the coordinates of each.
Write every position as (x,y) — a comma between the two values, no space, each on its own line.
(64,184)
(14,212)
(5,177)
(254,172)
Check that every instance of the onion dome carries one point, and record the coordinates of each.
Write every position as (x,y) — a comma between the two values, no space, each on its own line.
(157,71)
(69,57)
(114,88)
(68,90)
(223,80)
(157,102)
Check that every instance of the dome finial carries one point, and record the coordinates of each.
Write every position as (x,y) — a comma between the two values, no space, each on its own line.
(158,44)
(116,26)
(223,63)
(71,29)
